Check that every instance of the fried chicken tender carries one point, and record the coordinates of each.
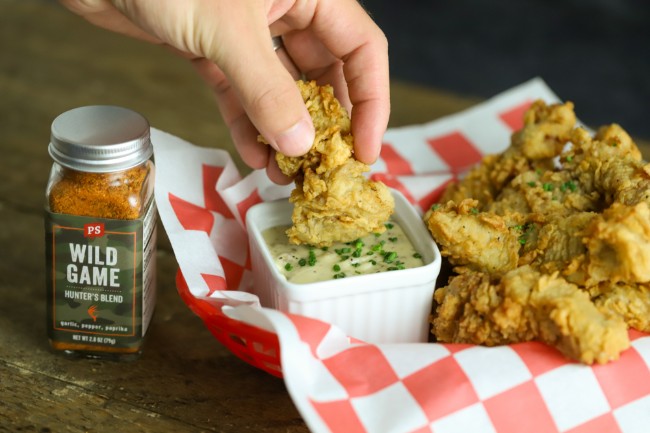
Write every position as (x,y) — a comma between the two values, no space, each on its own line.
(333,200)
(629,301)
(486,240)
(527,305)
(532,147)
(570,208)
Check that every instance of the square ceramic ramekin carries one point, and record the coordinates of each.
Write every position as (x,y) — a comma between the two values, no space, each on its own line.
(386,307)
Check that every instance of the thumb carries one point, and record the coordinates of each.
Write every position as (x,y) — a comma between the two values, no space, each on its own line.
(269,94)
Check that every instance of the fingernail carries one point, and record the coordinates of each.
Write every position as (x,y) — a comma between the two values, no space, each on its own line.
(296,140)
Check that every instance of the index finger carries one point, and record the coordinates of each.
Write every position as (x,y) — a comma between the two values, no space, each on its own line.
(349,33)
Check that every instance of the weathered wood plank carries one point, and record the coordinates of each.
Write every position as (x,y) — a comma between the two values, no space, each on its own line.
(52,61)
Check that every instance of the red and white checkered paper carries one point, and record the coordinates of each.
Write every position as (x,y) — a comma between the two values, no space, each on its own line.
(340,385)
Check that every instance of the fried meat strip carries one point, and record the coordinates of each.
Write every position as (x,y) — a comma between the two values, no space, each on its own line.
(579,206)
(527,305)
(544,134)
(472,239)
(333,200)
(628,301)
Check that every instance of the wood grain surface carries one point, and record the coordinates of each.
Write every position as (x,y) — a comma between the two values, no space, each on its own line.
(52,61)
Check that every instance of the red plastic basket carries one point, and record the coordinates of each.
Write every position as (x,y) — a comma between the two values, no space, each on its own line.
(254,345)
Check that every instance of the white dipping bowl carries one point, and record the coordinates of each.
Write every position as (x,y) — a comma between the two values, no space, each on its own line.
(385,307)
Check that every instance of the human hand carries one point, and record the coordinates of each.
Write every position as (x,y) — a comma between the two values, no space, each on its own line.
(229,42)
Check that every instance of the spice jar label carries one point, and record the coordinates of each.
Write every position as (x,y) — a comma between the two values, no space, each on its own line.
(100,278)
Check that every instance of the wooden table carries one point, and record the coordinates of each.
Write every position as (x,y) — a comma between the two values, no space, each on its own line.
(51,61)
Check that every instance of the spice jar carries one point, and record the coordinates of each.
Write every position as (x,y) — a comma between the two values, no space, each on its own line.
(100,226)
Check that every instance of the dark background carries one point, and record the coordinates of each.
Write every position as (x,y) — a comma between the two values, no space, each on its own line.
(593,52)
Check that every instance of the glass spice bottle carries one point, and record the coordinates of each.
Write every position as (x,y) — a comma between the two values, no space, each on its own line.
(100,227)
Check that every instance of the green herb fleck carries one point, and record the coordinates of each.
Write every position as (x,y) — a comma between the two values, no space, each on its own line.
(531,183)
(389,226)
(288,267)
(569,158)
(393,239)
(417,256)
(336,268)
(473,211)
(527,229)
(339,275)
(312,258)
(302,262)
(547,186)
(389,257)
(435,206)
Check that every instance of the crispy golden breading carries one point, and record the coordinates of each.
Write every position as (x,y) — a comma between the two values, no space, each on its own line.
(526,305)
(333,200)
(486,241)
(570,209)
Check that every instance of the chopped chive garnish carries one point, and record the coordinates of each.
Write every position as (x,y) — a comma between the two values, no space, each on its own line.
(389,257)
(435,206)
(532,183)
(357,253)
(302,262)
(417,256)
(336,268)
(393,239)
(312,258)
(547,186)
(389,226)
(288,267)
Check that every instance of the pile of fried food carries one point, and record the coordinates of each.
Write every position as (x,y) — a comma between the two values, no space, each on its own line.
(549,241)
(333,201)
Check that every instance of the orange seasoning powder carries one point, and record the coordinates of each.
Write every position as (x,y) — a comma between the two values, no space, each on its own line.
(100,224)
